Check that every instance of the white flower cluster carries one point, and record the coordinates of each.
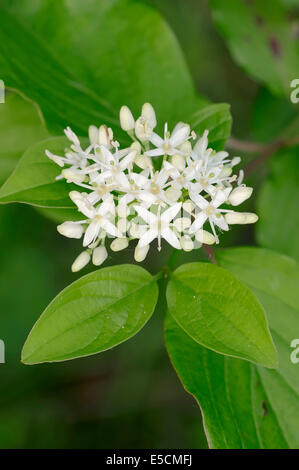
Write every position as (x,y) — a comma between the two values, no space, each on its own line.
(166,187)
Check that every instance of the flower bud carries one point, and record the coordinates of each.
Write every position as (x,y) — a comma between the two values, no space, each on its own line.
(70,229)
(202,236)
(173,194)
(119,244)
(188,206)
(93,133)
(239,195)
(225,172)
(235,161)
(141,253)
(99,255)
(250,218)
(186,243)
(73,176)
(178,161)
(148,113)
(105,136)
(127,121)
(240,218)
(81,261)
(182,223)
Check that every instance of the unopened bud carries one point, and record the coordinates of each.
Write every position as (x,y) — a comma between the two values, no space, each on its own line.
(225,172)
(173,194)
(93,133)
(105,136)
(239,195)
(186,243)
(148,113)
(141,253)
(186,147)
(127,121)
(188,206)
(72,176)
(81,261)
(203,236)
(99,255)
(241,218)
(178,161)
(70,229)
(119,244)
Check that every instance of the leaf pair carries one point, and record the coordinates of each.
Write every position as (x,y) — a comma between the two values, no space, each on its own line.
(109,306)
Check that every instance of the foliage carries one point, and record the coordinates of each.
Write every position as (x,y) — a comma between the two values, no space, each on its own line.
(229,322)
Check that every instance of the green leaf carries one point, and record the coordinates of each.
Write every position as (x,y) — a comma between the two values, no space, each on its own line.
(245,406)
(219,312)
(261,37)
(278,226)
(217,119)
(95,313)
(236,411)
(17,118)
(33,180)
(125,54)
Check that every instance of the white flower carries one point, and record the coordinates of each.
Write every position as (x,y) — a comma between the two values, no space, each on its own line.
(210,211)
(169,145)
(115,165)
(98,218)
(159,226)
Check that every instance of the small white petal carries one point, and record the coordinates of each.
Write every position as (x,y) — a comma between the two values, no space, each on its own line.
(171,238)
(179,136)
(91,233)
(147,238)
(198,222)
(170,213)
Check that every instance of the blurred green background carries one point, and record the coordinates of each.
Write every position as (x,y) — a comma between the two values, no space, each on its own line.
(128,397)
